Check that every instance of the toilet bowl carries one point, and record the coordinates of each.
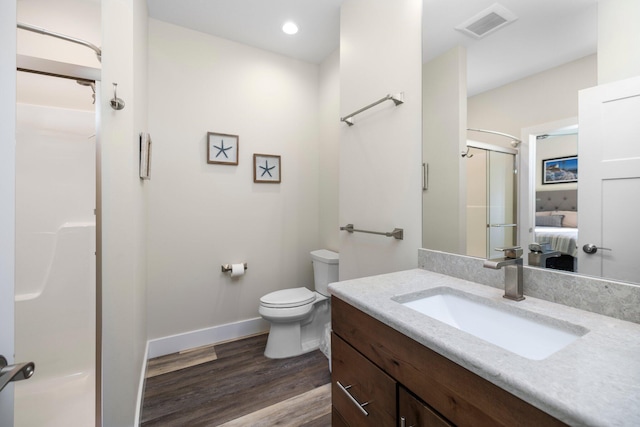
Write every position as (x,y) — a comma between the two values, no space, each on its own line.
(298,316)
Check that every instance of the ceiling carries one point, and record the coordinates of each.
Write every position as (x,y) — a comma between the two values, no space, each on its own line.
(546,34)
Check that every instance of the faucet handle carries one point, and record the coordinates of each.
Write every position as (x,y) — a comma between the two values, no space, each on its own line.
(513,252)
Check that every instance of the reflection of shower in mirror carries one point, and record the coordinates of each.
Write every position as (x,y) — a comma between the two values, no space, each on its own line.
(515,142)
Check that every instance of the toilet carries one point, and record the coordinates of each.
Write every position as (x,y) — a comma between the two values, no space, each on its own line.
(299,316)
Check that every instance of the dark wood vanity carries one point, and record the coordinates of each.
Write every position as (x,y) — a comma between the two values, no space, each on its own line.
(381,377)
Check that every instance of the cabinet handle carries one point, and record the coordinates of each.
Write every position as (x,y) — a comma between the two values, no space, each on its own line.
(353,399)
(403,422)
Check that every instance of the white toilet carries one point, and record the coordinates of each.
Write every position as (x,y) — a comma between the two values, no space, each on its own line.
(298,316)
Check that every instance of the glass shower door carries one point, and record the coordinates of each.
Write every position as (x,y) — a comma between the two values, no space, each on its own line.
(501,202)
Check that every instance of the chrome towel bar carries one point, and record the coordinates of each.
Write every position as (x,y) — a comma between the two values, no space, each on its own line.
(397,100)
(397,233)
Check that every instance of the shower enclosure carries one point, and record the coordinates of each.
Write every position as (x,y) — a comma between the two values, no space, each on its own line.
(491,198)
(55,289)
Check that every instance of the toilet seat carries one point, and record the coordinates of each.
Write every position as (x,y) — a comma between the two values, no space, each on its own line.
(288,298)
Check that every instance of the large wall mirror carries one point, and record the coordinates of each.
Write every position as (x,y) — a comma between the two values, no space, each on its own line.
(519,81)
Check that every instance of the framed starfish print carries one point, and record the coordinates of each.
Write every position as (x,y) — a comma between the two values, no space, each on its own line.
(222,148)
(266,168)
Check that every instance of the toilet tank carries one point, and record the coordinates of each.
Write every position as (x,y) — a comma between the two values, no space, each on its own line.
(325,269)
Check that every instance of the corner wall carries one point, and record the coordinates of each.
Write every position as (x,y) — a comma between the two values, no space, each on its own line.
(329,156)
(123,198)
(380,161)
(444,97)
(618,39)
(204,215)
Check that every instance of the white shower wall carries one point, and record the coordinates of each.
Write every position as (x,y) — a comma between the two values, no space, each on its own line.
(55,294)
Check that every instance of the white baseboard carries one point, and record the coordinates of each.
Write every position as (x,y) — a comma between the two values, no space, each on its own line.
(175,343)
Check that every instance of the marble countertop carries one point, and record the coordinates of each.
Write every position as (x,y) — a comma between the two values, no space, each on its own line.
(594,381)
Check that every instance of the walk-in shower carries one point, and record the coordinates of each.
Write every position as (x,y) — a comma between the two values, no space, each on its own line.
(491,196)
(56,289)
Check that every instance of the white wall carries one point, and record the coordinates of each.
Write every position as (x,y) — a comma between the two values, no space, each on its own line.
(444,88)
(123,209)
(618,40)
(380,162)
(329,155)
(7,193)
(542,98)
(204,215)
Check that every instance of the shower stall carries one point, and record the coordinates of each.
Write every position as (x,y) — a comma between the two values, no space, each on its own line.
(491,198)
(56,286)
(55,289)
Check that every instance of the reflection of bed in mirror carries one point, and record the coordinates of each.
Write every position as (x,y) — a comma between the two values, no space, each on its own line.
(557,225)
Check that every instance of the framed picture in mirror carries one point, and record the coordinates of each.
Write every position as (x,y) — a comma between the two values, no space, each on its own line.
(560,170)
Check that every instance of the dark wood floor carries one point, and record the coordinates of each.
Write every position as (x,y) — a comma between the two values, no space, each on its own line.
(240,381)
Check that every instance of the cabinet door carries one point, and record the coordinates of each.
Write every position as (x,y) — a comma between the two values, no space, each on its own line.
(361,392)
(415,413)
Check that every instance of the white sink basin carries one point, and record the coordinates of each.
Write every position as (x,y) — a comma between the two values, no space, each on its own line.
(525,333)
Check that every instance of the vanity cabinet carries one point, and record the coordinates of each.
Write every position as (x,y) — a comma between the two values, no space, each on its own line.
(394,377)
(413,412)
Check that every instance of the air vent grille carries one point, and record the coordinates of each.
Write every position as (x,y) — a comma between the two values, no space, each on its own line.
(487,21)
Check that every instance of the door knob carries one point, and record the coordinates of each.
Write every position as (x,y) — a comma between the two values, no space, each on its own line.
(17,372)
(590,248)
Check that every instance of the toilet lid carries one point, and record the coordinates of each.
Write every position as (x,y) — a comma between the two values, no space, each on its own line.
(286,298)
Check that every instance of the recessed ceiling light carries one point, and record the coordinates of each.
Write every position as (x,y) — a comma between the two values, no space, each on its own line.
(290,28)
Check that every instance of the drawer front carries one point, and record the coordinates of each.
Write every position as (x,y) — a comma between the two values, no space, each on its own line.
(361,392)
(415,413)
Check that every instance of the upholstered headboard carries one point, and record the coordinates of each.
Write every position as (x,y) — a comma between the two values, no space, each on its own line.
(563,200)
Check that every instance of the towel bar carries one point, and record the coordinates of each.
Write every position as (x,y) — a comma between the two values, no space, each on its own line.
(397,100)
(397,233)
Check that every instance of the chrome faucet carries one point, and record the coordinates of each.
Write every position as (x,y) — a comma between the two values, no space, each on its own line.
(540,253)
(512,263)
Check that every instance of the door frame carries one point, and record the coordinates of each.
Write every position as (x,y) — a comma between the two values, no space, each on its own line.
(527,178)
(7,195)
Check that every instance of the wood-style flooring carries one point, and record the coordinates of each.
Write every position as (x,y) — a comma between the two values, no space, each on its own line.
(239,387)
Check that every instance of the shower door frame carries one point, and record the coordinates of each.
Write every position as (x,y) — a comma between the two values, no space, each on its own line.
(516,161)
(63,70)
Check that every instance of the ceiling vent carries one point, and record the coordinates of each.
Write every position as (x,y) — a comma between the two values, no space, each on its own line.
(487,21)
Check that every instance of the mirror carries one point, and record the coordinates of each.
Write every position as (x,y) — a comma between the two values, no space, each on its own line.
(543,101)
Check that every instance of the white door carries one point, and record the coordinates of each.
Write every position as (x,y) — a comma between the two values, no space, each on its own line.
(609,180)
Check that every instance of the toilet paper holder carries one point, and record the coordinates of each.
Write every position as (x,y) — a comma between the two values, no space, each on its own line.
(226,268)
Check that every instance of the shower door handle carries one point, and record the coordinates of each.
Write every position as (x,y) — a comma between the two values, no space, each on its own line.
(17,372)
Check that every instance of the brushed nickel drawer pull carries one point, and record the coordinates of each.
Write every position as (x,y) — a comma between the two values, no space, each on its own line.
(403,422)
(353,399)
